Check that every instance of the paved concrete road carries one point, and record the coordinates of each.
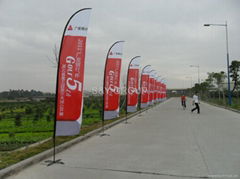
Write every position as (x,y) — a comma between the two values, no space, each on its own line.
(165,142)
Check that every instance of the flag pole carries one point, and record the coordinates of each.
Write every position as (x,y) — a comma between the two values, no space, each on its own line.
(54,161)
(103,99)
(104,81)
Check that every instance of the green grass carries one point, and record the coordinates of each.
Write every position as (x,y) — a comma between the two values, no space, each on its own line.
(25,137)
(12,137)
(9,158)
(8,125)
(8,143)
(30,131)
(235,103)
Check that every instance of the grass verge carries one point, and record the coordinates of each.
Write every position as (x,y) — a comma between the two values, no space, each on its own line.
(10,158)
(235,104)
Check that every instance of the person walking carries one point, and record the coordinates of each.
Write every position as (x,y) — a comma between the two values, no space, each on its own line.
(196,102)
(183,101)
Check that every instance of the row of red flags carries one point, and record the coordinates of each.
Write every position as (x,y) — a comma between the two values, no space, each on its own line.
(149,87)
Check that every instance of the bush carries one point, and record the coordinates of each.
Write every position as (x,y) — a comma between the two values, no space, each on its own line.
(36,117)
(28,110)
(11,134)
(18,121)
(48,117)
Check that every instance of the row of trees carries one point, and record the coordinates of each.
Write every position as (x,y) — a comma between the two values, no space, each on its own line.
(216,83)
(20,93)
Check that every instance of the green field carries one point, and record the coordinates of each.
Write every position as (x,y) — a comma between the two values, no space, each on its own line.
(24,123)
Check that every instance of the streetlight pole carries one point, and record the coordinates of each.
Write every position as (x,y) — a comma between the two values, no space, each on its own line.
(228,76)
(198,72)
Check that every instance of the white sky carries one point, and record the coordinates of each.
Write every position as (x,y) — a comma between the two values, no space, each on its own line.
(167,34)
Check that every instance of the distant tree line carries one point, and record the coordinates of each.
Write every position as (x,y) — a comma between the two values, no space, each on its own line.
(20,93)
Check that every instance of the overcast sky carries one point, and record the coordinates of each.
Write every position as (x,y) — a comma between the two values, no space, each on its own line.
(167,34)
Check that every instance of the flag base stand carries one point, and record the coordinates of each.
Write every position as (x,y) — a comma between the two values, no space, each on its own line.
(51,162)
(103,133)
(126,121)
(54,161)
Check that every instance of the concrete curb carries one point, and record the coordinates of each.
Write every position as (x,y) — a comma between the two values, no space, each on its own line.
(224,107)
(15,168)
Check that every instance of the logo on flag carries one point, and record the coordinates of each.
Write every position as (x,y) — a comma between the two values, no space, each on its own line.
(70,27)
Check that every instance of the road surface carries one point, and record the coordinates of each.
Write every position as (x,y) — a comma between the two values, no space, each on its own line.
(165,142)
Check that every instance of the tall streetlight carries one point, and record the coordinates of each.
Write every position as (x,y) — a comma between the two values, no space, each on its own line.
(226,28)
(197,66)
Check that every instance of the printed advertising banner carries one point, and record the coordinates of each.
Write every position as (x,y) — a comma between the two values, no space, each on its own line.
(155,88)
(151,87)
(145,86)
(112,81)
(71,75)
(133,84)
(164,91)
(159,89)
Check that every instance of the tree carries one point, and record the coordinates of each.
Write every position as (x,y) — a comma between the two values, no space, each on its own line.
(48,117)
(234,74)
(54,59)
(39,111)
(219,80)
(202,88)
(210,80)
